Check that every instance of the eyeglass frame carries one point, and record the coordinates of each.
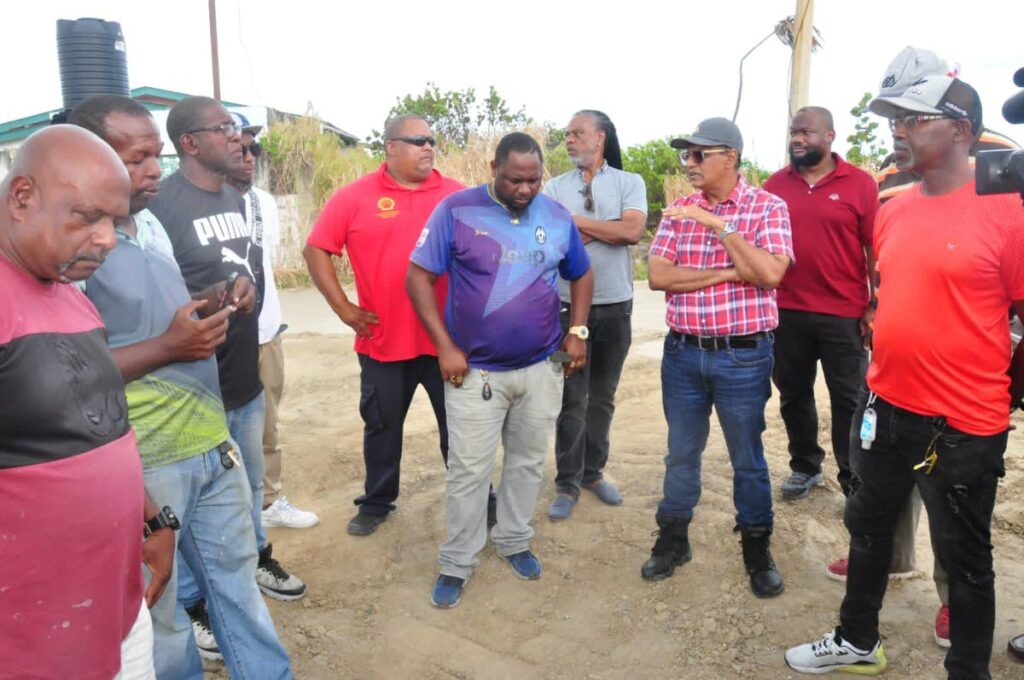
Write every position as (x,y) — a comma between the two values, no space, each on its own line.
(417,140)
(684,154)
(918,118)
(226,129)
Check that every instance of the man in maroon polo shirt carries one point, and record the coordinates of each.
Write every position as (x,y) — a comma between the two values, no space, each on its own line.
(377,220)
(826,302)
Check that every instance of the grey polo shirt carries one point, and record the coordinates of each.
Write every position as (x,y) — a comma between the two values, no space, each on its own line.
(614,192)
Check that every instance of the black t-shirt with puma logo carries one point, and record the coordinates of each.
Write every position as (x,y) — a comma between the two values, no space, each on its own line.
(211,240)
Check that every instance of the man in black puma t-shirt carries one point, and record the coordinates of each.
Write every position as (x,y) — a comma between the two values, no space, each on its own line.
(204,219)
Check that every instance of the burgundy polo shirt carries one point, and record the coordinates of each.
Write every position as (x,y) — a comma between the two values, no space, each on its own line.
(831,223)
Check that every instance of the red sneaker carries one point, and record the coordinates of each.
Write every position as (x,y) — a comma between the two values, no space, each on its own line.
(942,627)
(837,571)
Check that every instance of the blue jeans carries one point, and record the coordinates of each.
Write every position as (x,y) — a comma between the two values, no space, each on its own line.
(212,503)
(245,424)
(738,383)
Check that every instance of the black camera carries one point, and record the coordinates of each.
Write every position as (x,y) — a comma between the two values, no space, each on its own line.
(1002,171)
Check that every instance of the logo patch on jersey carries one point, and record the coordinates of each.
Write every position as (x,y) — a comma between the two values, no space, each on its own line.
(228,255)
(834,197)
(423,237)
(540,235)
(386,205)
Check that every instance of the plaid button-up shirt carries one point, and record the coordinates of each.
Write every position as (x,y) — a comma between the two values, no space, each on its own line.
(727,308)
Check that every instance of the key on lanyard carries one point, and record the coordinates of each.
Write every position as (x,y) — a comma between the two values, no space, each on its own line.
(486,392)
(867,425)
(931,455)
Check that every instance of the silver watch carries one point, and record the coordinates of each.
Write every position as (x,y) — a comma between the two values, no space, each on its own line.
(729,228)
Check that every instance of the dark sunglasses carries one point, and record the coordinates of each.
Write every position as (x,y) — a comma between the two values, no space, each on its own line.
(698,155)
(255,149)
(588,197)
(418,140)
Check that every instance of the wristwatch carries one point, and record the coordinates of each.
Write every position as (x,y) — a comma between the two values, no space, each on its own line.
(581,332)
(729,228)
(163,519)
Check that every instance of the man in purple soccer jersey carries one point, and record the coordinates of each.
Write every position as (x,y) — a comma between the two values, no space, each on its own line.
(503,248)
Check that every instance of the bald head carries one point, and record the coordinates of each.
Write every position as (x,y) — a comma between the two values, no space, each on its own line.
(61,199)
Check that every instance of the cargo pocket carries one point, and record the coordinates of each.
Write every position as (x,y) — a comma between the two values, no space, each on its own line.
(369,408)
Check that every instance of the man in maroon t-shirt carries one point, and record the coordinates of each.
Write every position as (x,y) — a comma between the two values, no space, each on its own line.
(824,305)
(72,505)
(377,220)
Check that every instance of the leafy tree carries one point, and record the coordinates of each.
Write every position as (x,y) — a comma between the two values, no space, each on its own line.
(455,115)
(865,148)
(653,161)
(754,173)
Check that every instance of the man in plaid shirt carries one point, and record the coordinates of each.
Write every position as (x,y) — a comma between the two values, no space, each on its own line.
(718,255)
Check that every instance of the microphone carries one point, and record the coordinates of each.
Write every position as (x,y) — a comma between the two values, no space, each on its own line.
(1018,78)
(1013,109)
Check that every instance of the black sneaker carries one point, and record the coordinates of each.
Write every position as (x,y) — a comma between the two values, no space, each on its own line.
(275,582)
(364,524)
(206,644)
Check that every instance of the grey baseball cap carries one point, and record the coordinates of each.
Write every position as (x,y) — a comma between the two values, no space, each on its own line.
(951,97)
(909,66)
(713,132)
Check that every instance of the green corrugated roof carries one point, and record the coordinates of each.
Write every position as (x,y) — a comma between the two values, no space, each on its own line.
(20,128)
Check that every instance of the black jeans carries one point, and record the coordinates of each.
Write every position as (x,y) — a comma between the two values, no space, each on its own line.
(958,494)
(588,400)
(801,340)
(385,393)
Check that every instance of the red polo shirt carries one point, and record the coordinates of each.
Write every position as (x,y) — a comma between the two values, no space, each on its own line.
(832,222)
(377,221)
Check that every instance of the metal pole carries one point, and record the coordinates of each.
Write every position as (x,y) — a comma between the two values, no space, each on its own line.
(800,79)
(213,50)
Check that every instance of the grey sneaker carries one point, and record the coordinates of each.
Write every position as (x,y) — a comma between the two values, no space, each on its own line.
(561,507)
(275,582)
(206,645)
(606,491)
(799,485)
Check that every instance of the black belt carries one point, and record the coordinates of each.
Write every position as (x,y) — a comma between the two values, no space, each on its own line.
(722,341)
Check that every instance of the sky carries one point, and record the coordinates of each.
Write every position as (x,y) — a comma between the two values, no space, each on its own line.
(656,68)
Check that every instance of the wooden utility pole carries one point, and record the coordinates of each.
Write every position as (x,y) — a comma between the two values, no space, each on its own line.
(213,50)
(803,40)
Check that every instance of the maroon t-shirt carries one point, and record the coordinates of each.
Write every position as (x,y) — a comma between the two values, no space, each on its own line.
(71,490)
(832,223)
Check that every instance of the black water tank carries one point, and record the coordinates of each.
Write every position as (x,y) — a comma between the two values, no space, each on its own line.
(92,59)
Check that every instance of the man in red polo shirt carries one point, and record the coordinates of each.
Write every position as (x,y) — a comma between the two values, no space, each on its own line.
(824,308)
(377,220)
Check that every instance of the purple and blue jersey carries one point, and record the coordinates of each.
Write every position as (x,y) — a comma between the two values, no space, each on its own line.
(502,308)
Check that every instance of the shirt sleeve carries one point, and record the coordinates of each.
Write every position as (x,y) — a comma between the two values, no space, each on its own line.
(576,261)
(330,231)
(773,233)
(433,249)
(666,239)
(635,195)
(870,210)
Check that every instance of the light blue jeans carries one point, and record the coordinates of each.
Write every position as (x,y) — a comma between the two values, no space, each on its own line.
(213,505)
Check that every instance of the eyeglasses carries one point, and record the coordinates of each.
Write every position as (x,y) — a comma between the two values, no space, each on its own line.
(418,140)
(588,197)
(698,155)
(226,129)
(914,119)
(255,149)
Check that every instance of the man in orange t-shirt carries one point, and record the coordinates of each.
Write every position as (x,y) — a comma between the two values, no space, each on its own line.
(936,413)
(377,220)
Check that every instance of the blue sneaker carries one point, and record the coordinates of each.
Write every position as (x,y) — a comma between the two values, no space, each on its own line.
(525,564)
(447,591)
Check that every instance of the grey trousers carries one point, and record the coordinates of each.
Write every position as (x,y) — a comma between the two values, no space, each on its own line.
(521,412)
(904,557)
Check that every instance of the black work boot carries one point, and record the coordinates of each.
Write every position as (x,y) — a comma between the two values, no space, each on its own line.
(765,579)
(670,550)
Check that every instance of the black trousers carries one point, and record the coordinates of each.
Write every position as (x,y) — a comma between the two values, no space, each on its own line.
(588,400)
(958,494)
(385,393)
(801,341)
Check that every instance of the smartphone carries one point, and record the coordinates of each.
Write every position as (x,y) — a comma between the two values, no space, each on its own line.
(229,291)
(560,357)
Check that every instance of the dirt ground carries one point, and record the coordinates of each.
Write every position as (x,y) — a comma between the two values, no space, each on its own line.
(591,616)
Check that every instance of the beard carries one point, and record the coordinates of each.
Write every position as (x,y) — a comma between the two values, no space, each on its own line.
(812,156)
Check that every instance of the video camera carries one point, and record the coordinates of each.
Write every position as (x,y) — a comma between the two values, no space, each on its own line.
(1002,171)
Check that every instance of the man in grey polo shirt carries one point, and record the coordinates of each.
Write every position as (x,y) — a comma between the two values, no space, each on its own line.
(610,208)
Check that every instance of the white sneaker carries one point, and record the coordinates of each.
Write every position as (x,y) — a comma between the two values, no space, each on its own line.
(206,644)
(828,654)
(282,513)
